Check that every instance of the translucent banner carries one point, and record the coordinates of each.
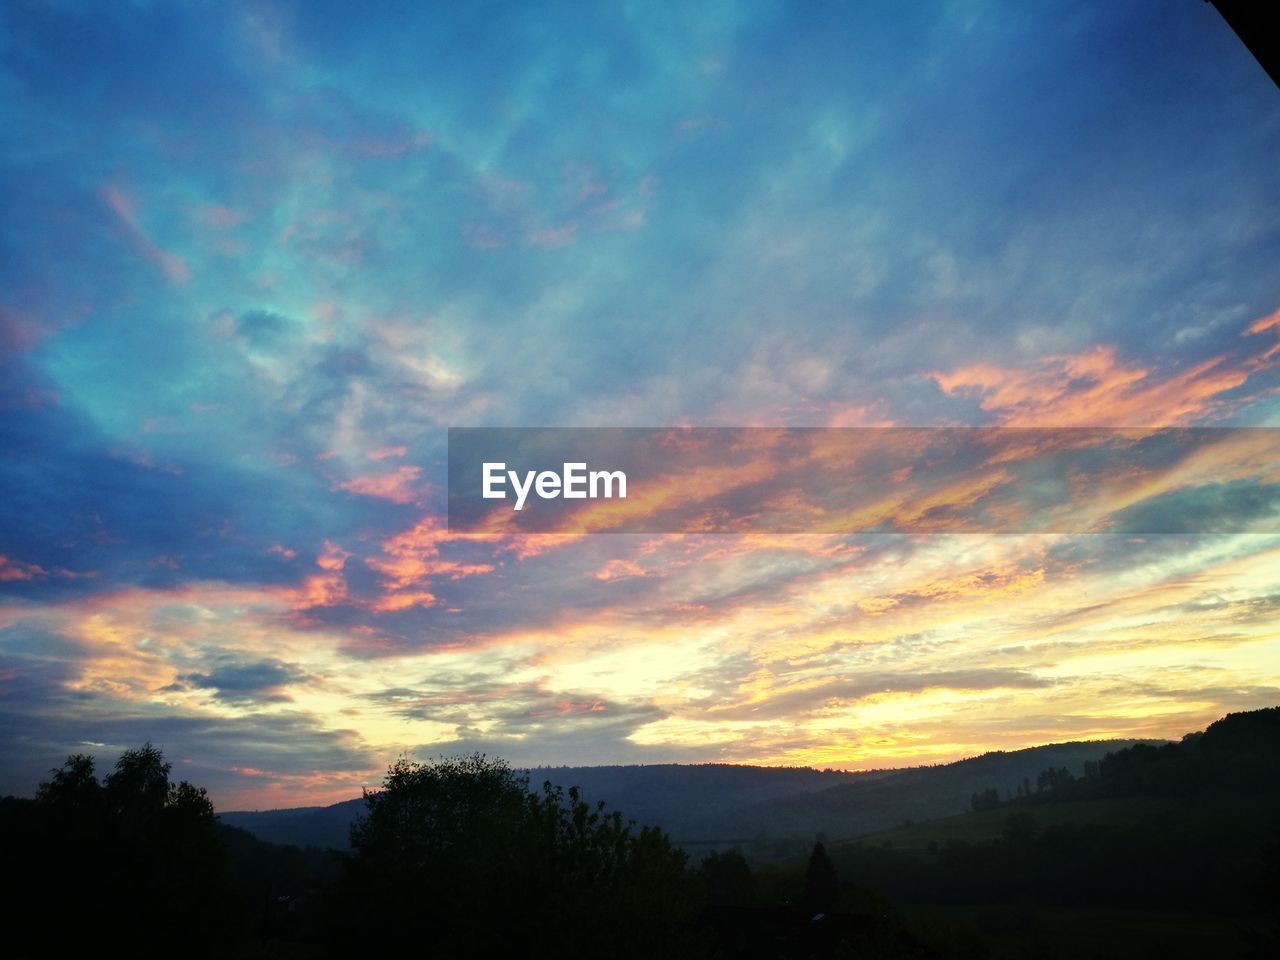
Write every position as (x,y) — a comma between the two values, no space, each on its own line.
(859,480)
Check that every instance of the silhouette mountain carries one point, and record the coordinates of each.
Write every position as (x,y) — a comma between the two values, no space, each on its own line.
(722,805)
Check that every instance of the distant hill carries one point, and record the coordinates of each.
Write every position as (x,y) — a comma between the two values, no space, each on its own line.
(1186,831)
(1227,775)
(301,826)
(714,805)
(654,794)
(875,802)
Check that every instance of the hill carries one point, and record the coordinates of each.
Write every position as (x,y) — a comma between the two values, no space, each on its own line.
(657,794)
(1159,851)
(300,826)
(766,810)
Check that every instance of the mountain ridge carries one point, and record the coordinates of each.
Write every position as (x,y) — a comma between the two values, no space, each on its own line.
(717,804)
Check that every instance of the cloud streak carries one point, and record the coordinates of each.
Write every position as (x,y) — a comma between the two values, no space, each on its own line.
(232,339)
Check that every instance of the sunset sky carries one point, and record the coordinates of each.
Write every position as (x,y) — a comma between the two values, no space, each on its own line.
(255,259)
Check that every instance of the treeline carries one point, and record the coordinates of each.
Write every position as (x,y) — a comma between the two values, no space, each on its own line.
(133,859)
(1190,829)
(1239,754)
(459,857)
(455,858)
(463,858)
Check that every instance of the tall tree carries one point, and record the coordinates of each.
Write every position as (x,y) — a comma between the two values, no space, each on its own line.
(821,885)
(136,859)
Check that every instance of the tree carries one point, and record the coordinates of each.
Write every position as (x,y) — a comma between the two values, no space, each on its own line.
(136,859)
(728,878)
(462,846)
(821,885)
(423,810)
(139,786)
(73,785)
(985,800)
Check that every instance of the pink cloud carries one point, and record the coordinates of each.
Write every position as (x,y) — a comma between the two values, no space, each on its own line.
(12,570)
(619,569)
(398,487)
(560,236)
(217,216)
(332,557)
(173,267)
(20,331)
(325,589)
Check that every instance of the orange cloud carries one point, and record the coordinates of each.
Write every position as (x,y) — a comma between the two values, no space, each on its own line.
(398,487)
(1269,322)
(412,557)
(332,557)
(619,569)
(322,589)
(402,601)
(1096,388)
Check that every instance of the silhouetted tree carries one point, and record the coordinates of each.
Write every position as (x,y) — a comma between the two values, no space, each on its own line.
(72,786)
(728,878)
(1053,778)
(821,885)
(465,849)
(135,859)
(985,800)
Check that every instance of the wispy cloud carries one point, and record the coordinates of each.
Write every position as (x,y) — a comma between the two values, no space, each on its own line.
(232,337)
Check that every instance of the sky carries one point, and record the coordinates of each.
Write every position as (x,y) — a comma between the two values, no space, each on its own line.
(257,258)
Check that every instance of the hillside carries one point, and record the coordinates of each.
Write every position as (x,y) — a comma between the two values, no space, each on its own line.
(716,805)
(658,794)
(1159,851)
(876,802)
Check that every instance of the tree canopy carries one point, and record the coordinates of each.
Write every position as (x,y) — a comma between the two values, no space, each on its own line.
(463,845)
(134,857)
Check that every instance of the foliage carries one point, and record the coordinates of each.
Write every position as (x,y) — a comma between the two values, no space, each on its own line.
(821,885)
(135,858)
(462,845)
(728,879)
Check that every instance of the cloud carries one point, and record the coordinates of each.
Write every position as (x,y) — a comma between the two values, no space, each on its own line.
(806,697)
(262,681)
(233,338)
(1096,388)
(172,266)
(398,487)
